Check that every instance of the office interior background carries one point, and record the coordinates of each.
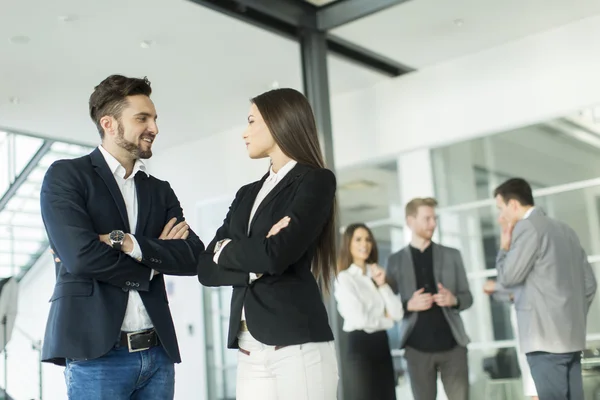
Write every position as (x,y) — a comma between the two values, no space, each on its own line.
(443,99)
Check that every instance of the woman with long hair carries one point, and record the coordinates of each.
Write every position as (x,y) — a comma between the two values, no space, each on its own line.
(369,307)
(276,244)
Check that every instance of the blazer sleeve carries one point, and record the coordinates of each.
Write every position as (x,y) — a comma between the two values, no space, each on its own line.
(463,292)
(392,277)
(212,274)
(502,294)
(309,210)
(73,238)
(390,273)
(515,264)
(590,284)
(172,257)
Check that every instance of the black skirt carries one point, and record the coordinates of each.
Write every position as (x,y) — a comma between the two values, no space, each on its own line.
(369,367)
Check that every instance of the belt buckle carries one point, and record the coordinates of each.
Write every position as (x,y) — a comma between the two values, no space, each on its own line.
(129,335)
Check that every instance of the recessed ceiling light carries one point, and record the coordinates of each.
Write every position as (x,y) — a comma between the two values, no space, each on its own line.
(274,85)
(15,100)
(19,39)
(146,44)
(459,22)
(67,18)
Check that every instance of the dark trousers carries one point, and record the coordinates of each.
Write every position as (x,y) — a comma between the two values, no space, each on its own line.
(423,368)
(556,376)
(369,367)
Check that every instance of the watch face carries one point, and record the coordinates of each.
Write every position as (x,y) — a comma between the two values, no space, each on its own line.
(116,236)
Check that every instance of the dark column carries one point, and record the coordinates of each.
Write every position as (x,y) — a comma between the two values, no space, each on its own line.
(313,46)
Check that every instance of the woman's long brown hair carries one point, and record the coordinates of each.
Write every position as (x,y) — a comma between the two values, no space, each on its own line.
(289,117)
(345,259)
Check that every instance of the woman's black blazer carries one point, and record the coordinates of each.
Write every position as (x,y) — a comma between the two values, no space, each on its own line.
(284,306)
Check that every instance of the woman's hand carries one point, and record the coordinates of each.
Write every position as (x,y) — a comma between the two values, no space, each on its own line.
(377,274)
(283,222)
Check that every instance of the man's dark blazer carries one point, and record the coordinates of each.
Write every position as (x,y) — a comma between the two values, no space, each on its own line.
(449,270)
(80,200)
(284,306)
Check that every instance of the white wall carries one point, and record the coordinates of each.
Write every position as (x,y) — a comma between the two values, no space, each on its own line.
(525,81)
(208,168)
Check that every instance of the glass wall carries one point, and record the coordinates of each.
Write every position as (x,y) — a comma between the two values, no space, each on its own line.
(370,194)
(563,166)
(23,163)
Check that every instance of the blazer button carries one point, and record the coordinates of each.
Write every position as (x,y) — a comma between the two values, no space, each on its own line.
(137,284)
(125,290)
(128,283)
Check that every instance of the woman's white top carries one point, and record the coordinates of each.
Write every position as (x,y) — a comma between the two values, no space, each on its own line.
(363,304)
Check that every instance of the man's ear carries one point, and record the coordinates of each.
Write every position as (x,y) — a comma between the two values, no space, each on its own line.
(109,124)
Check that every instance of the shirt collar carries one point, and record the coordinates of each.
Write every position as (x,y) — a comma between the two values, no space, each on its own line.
(117,169)
(354,269)
(278,176)
(528,213)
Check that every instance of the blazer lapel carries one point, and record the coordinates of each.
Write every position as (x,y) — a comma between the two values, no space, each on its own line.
(409,273)
(144,197)
(102,169)
(285,182)
(437,262)
(248,202)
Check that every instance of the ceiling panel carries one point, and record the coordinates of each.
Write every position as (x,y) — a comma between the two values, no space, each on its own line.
(203,65)
(421,33)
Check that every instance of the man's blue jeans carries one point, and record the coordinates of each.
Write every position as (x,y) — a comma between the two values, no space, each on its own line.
(121,375)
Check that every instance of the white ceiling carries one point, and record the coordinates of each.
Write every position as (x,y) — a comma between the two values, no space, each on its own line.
(203,65)
(421,33)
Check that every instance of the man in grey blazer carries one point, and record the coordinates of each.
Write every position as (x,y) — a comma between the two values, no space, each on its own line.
(433,287)
(543,260)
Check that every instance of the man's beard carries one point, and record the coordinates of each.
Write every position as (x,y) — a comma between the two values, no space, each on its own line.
(426,234)
(133,149)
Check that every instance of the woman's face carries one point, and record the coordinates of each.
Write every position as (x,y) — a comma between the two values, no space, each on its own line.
(258,138)
(360,245)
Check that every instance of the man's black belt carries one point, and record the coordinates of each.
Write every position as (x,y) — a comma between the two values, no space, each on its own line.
(139,341)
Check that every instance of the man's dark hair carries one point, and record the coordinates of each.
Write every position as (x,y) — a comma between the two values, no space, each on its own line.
(515,189)
(110,97)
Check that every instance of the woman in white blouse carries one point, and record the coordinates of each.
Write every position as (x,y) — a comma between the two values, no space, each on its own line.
(369,308)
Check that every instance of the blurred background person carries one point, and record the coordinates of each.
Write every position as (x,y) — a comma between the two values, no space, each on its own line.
(499,293)
(369,308)
(432,283)
(543,258)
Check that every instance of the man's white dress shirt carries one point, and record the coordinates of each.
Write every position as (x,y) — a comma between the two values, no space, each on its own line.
(136,316)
